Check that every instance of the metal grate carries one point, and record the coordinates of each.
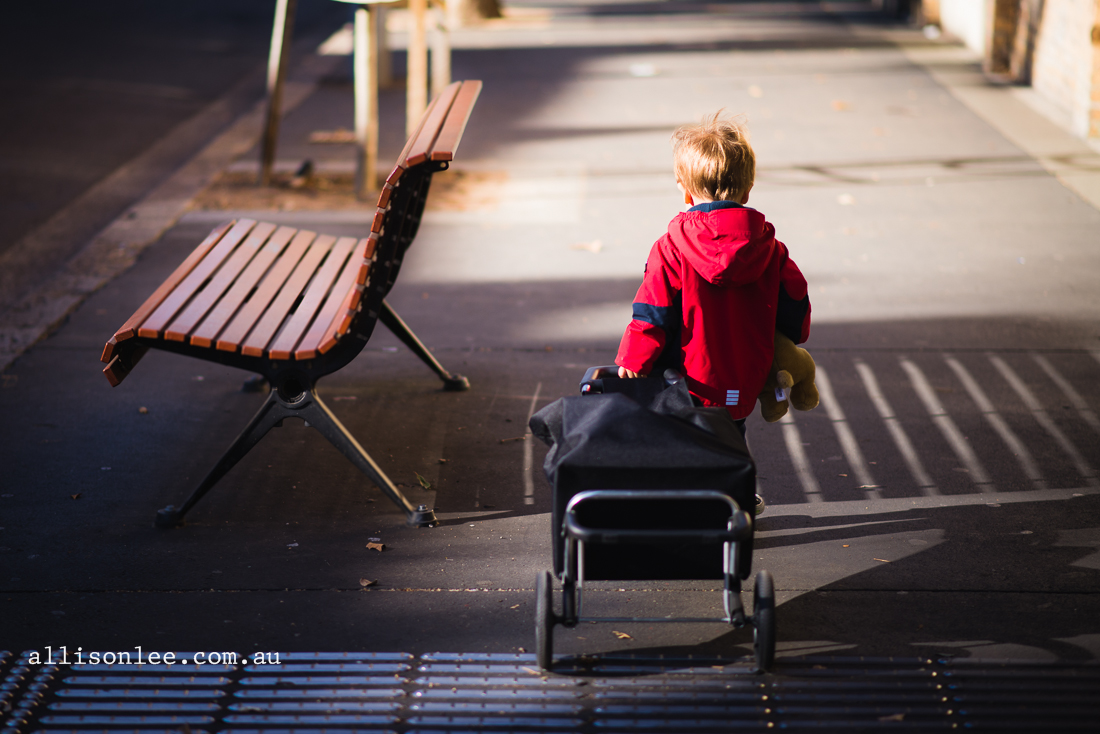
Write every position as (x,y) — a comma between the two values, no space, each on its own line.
(311,693)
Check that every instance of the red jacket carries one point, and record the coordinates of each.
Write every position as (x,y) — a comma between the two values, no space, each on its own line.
(717,286)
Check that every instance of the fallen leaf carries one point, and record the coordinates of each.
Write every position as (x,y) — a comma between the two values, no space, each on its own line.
(423,482)
(376,546)
(366,582)
(846,545)
(594,246)
(621,635)
(76,496)
(514,606)
(332,137)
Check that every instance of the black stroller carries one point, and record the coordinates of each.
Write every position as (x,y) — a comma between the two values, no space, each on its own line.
(648,486)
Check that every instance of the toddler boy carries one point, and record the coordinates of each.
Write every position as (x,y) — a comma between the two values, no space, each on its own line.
(717,285)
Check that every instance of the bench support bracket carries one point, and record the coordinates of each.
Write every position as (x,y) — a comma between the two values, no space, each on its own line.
(393,322)
(308,406)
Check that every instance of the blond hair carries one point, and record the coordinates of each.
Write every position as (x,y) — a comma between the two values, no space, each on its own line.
(713,159)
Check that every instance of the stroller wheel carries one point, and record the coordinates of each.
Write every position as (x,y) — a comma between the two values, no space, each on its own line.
(763,620)
(544,620)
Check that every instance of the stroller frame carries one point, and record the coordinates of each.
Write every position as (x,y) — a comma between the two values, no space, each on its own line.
(577,536)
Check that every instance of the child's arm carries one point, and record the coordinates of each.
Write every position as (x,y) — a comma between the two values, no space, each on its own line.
(792,318)
(656,313)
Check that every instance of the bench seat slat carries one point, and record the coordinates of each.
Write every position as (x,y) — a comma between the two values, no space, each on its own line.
(255,307)
(341,323)
(208,295)
(451,135)
(255,345)
(178,298)
(287,340)
(341,292)
(215,321)
(129,329)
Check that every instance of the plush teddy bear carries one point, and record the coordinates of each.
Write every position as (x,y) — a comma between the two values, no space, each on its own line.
(791,380)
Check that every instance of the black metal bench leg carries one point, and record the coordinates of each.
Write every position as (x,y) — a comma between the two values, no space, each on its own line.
(317,414)
(393,322)
(266,418)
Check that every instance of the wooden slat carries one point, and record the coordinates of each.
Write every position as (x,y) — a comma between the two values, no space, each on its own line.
(367,246)
(455,124)
(152,326)
(255,345)
(206,299)
(117,369)
(405,152)
(384,196)
(379,219)
(421,149)
(115,372)
(341,323)
(327,315)
(129,329)
(230,339)
(287,340)
(205,333)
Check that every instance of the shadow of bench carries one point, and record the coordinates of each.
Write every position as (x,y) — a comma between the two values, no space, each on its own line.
(293,305)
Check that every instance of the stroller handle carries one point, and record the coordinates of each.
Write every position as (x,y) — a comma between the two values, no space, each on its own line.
(592,382)
(739,526)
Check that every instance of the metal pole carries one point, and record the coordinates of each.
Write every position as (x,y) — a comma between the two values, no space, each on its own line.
(366,100)
(416,96)
(281,33)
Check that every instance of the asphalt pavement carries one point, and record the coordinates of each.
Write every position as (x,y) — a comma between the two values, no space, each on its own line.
(941,502)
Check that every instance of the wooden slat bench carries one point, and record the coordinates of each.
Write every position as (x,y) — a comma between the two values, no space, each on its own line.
(294,306)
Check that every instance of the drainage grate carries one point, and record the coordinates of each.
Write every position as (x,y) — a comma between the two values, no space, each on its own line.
(313,693)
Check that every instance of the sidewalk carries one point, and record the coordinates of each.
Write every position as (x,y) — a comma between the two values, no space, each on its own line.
(925,232)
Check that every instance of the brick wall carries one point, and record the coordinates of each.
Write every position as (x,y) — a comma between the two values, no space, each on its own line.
(1052,44)
(1065,68)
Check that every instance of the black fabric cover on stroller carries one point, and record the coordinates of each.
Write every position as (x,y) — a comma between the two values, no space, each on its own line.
(646,435)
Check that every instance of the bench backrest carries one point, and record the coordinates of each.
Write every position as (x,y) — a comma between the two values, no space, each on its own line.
(275,293)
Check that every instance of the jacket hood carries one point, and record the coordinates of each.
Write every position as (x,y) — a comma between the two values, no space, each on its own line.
(727,247)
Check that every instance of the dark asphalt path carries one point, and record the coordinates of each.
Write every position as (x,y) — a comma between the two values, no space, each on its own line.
(87,87)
